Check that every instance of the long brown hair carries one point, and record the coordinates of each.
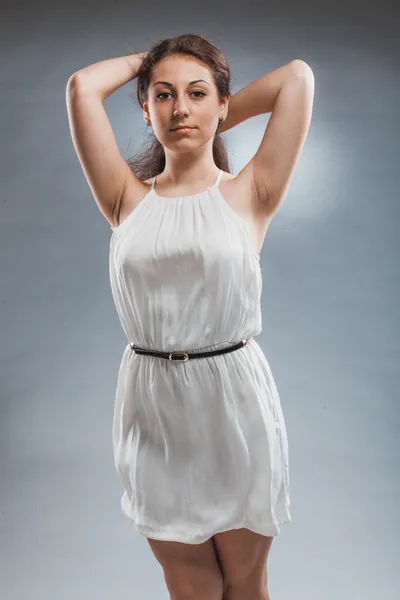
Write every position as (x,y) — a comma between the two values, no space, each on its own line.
(150,161)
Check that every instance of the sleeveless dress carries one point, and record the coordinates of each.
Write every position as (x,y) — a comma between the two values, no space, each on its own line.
(201,446)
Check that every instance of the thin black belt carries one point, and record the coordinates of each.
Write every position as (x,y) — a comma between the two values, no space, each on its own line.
(184,356)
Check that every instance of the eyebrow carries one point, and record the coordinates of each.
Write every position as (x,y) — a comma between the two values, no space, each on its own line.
(171,85)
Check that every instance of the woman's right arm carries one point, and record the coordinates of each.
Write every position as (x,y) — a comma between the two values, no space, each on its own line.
(105,169)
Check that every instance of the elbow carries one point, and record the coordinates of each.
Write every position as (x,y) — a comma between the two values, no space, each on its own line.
(302,69)
(75,80)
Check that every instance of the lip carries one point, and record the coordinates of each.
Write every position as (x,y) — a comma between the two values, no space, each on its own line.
(183,128)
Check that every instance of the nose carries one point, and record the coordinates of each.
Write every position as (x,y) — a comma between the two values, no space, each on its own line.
(180,108)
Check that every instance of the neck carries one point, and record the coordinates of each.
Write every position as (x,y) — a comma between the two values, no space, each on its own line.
(184,168)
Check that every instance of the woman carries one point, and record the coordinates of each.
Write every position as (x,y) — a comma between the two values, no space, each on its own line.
(199,435)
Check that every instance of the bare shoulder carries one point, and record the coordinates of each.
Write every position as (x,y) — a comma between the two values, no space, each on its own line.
(132,196)
(240,192)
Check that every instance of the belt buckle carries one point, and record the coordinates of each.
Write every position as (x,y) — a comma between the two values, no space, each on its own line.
(185,354)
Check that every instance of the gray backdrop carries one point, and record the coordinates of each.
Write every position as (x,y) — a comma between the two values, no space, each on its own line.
(330,298)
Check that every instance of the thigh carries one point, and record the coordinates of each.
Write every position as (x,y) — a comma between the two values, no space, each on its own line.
(190,570)
(243,555)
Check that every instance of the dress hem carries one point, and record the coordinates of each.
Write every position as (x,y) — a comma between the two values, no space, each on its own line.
(271,530)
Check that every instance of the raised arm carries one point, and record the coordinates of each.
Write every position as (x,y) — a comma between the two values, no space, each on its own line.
(288,94)
(105,169)
(285,135)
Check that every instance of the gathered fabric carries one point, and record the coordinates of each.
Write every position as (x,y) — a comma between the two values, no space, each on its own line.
(200,445)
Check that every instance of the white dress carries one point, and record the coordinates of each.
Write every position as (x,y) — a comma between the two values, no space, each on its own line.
(201,446)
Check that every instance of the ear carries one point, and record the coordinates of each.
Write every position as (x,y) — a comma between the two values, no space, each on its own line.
(224,102)
(146,113)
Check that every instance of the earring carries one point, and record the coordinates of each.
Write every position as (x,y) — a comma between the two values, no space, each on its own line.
(148,123)
(221,119)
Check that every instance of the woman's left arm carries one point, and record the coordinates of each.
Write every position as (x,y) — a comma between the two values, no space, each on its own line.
(258,97)
(288,93)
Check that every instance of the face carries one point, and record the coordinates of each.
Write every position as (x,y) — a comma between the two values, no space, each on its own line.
(178,102)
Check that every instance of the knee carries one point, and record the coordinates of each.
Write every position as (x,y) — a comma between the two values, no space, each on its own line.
(238,593)
(194,586)
(254,587)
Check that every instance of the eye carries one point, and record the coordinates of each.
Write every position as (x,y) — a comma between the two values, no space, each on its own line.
(168,94)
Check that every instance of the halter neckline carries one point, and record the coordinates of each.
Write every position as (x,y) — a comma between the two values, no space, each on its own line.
(214,185)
